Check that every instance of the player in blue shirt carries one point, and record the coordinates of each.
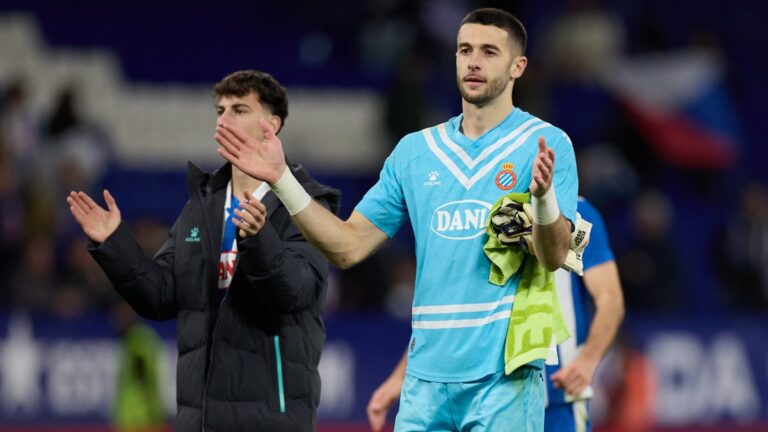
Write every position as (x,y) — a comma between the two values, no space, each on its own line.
(568,386)
(445,179)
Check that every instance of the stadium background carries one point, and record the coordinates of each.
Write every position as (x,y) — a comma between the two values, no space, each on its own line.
(663,101)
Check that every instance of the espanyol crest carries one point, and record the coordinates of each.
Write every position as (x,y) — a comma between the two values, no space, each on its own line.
(460,220)
(506,179)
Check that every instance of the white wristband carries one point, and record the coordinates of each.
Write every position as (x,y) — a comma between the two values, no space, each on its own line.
(545,208)
(291,193)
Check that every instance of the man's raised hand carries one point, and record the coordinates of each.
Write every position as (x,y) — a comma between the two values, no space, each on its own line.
(97,223)
(543,169)
(263,160)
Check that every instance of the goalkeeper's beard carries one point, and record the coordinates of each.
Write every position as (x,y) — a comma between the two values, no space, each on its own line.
(493,89)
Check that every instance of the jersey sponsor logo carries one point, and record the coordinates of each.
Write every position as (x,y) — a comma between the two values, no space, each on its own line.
(460,220)
(506,179)
(432,179)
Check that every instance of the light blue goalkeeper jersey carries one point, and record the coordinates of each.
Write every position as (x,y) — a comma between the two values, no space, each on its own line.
(446,184)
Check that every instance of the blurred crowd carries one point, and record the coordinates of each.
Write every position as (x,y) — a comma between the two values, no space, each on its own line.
(44,263)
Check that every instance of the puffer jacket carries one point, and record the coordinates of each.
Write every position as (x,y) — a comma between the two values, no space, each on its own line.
(249,362)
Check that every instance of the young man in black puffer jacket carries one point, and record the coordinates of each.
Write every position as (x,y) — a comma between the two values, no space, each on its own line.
(245,286)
